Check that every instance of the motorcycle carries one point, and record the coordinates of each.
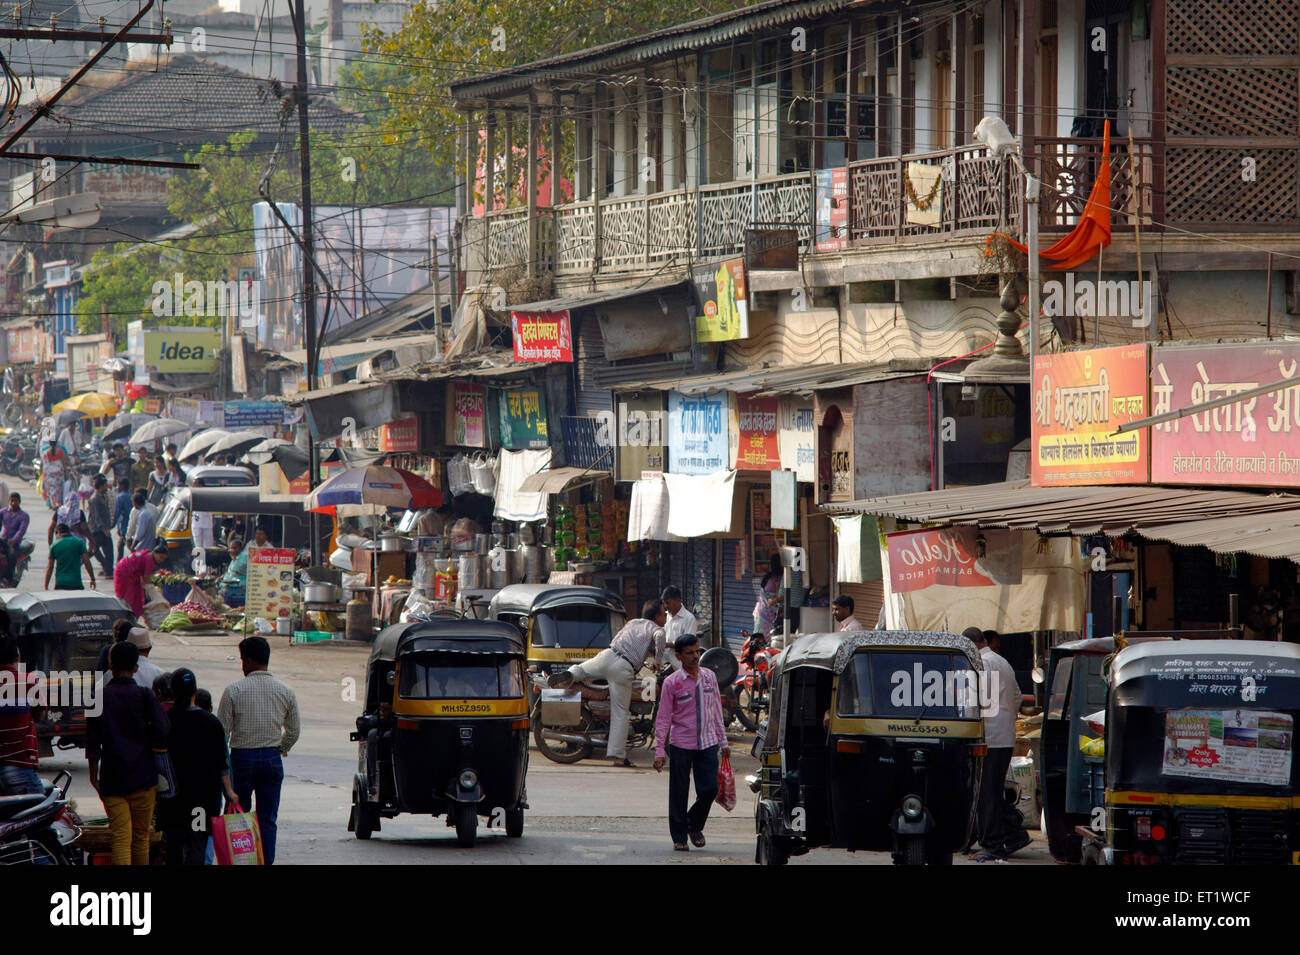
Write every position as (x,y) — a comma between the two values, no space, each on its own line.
(570,723)
(12,577)
(751,686)
(40,828)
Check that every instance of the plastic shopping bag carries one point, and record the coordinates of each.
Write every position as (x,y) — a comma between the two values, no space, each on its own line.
(236,838)
(726,785)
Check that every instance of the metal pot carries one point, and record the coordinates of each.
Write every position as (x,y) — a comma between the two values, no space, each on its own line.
(318,593)
(392,542)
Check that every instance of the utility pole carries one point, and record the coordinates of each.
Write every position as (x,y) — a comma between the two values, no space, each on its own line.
(308,256)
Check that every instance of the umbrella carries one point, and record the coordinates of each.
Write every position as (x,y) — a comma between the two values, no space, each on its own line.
(124,424)
(236,443)
(378,486)
(292,460)
(157,430)
(67,416)
(92,403)
(200,443)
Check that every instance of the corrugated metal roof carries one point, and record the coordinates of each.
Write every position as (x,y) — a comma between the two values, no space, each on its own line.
(584,299)
(781,380)
(648,47)
(499,364)
(1226,521)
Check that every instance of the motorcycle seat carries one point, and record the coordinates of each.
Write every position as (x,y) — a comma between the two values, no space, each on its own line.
(10,806)
(26,547)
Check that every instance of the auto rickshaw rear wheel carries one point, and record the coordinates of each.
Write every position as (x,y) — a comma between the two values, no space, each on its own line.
(912,852)
(365,819)
(466,825)
(514,823)
(772,849)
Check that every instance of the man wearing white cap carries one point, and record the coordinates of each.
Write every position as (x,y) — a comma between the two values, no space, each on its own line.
(146,672)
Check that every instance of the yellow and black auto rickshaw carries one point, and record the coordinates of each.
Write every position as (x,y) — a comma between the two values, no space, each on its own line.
(1200,738)
(564,625)
(445,727)
(874,741)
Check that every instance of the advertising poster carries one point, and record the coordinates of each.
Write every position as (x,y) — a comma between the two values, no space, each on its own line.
(466,413)
(240,415)
(640,435)
(1252,442)
(723,314)
(181,351)
(698,433)
(950,556)
(542,336)
(403,435)
(523,420)
(270,581)
(759,448)
(832,209)
(1239,746)
(1080,398)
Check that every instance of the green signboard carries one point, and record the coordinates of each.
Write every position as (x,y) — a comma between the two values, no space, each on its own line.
(523,419)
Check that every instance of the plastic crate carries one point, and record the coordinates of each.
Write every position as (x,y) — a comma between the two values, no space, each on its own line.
(311,636)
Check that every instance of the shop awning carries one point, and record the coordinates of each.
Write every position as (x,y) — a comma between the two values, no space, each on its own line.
(783,380)
(1226,521)
(559,480)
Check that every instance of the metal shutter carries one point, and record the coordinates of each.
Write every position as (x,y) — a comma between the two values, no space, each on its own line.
(589,398)
(868,598)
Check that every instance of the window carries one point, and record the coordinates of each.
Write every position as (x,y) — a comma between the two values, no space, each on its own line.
(440,676)
(909,683)
(576,628)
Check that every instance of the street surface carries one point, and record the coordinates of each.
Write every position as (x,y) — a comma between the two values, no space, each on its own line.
(584,813)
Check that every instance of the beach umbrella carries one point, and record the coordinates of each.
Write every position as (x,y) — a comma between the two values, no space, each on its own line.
(121,427)
(67,416)
(91,403)
(235,444)
(378,486)
(199,444)
(157,430)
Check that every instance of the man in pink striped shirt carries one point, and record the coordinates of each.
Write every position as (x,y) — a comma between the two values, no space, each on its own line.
(690,727)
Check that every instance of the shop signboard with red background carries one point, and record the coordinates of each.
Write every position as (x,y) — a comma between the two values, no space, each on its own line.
(403,435)
(542,336)
(920,559)
(1080,398)
(270,581)
(1255,442)
(759,447)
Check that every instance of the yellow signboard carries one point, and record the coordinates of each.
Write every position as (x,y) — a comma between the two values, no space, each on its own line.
(181,352)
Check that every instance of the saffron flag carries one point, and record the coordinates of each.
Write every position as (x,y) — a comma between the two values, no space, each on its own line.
(1092,232)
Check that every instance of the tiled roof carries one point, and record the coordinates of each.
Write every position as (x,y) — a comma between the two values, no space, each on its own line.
(186,101)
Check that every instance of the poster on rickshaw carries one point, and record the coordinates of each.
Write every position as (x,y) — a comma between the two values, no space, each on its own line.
(270,582)
(1243,746)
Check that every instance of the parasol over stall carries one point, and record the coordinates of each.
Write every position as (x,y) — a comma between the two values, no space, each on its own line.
(92,404)
(122,426)
(198,445)
(235,443)
(157,430)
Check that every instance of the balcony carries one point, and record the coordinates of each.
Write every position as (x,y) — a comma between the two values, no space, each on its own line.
(645,233)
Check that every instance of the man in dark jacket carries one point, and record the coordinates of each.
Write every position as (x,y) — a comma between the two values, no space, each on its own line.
(120,747)
(198,747)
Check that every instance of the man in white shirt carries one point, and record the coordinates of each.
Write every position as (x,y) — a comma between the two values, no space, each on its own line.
(680,622)
(998,828)
(842,610)
(147,672)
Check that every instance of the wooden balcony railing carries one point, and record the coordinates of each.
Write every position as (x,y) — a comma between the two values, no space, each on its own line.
(1068,168)
(641,233)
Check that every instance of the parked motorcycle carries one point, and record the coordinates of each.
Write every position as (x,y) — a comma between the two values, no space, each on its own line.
(13,577)
(570,724)
(40,828)
(751,686)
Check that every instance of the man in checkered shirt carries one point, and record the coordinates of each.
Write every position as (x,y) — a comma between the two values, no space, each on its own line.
(260,715)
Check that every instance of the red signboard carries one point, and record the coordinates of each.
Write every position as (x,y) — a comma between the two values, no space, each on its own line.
(1255,442)
(1080,399)
(920,559)
(759,448)
(401,435)
(542,336)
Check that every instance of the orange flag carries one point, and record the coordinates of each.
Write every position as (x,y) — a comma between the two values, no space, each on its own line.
(1092,233)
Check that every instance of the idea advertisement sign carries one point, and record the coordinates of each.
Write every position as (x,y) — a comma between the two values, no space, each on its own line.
(1080,398)
(1249,443)
(542,336)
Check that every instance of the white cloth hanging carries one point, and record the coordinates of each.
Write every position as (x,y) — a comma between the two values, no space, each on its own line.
(647,513)
(513,504)
(700,503)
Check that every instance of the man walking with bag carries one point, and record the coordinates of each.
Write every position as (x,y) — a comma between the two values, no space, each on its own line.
(260,715)
(690,734)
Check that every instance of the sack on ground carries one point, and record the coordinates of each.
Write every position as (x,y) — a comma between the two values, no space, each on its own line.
(236,840)
(155,612)
(726,785)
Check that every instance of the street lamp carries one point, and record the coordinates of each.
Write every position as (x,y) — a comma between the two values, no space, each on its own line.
(63,212)
(993,133)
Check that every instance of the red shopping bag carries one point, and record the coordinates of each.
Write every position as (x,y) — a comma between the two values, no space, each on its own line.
(236,839)
(726,785)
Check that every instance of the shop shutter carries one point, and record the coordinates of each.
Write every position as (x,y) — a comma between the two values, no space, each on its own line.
(738,596)
(589,398)
(691,569)
(868,598)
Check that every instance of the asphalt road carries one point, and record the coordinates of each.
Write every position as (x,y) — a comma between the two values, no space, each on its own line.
(580,814)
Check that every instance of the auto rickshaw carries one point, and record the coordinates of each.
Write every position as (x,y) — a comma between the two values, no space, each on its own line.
(1200,736)
(61,633)
(445,727)
(564,624)
(874,741)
